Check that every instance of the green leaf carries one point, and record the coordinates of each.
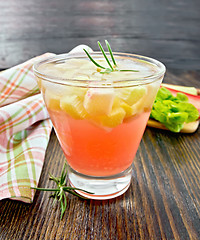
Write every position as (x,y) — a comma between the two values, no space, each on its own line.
(111,69)
(98,65)
(182,97)
(193,113)
(163,94)
(51,177)
(59,192)
(128,70)
(46,189)
(62,209)
(172,111)
(108,70)
(102,50)
(76,194)
(110,51)
(72,188)
(63,174)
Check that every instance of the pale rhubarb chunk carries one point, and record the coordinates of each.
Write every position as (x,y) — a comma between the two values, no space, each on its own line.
(113,119)
(99,101)
(73,106)
(131,95)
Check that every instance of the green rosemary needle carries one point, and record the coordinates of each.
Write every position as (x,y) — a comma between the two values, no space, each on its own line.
(98,65)
(59,192)
(112,68)
(102,50)
(110,51)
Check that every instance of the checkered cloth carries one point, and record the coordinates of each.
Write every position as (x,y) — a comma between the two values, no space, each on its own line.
(24,131)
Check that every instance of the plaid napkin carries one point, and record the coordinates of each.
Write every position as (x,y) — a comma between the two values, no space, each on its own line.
(24,131)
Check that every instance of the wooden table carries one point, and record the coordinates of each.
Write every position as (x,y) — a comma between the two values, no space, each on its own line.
(163,201)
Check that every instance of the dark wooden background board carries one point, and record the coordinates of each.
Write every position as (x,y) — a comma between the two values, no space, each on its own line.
(166,30)
(163,201)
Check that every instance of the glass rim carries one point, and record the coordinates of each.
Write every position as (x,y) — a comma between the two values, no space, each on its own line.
(99,83)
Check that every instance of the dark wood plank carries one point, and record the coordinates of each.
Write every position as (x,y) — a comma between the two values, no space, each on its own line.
(168,31)
(163,201)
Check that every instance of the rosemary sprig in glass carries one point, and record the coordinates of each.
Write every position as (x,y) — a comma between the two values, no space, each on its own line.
(59,192)
(113,67)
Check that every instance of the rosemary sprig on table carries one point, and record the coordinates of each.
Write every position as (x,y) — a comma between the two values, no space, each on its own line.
(112,68)
(59,192)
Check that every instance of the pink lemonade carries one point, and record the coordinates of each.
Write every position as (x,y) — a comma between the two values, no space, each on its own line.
(99,118)
(94,151)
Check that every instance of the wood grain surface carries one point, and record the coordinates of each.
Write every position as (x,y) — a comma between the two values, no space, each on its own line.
(165,30)
(163,201)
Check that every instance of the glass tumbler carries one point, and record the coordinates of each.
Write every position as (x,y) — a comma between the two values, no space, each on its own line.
(99,119)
